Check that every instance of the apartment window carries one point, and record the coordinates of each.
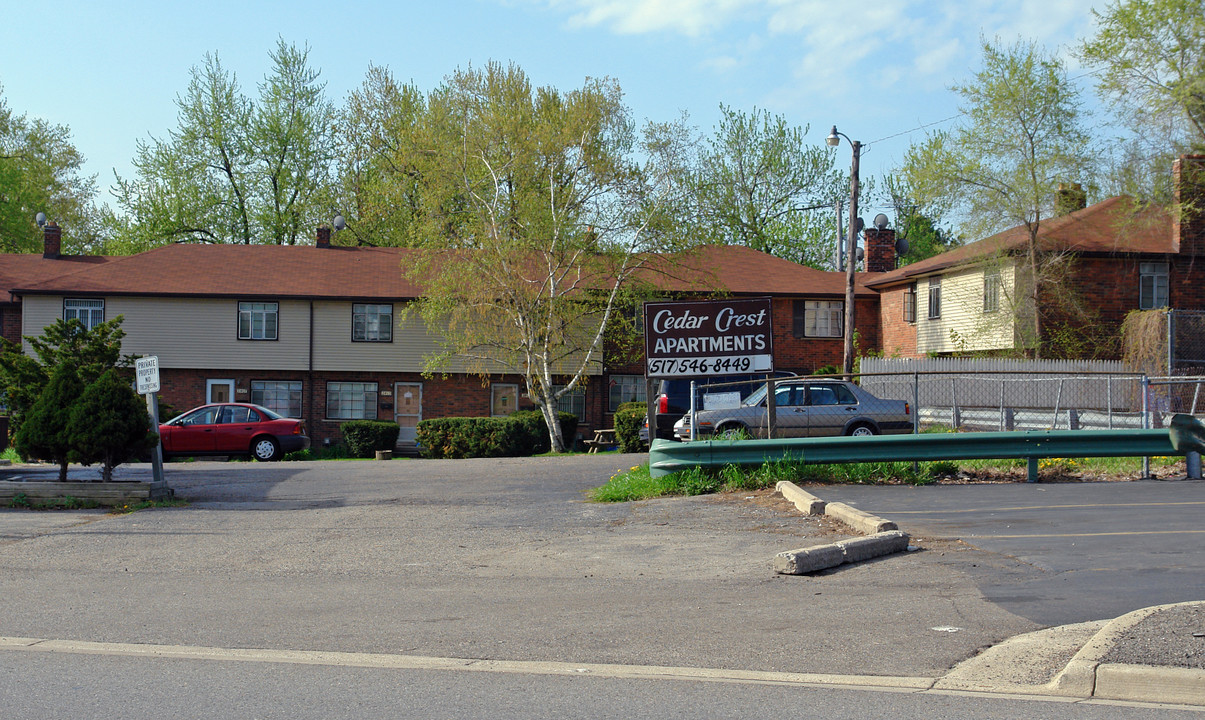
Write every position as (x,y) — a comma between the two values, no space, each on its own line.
(817,318)
(573,401)
(351,400)
(910,304)
(625,388)
(371,323)
(1152,286)
(89,312)
(934,298)
(257,320)
(991,291)
(280,396)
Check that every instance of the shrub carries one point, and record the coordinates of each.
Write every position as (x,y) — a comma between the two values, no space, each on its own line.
(471,437)
(365,437)
(629,418)
(43,433)
(535,430)
(109,425)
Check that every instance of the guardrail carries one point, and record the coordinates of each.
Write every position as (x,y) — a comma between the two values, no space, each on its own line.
(666,456)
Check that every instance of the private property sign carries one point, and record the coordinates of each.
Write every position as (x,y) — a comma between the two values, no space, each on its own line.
(708,337)
(147,371)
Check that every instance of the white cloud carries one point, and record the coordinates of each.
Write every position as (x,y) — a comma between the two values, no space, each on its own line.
(686,17)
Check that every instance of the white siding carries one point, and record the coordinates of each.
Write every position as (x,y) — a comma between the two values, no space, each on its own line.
(963,325)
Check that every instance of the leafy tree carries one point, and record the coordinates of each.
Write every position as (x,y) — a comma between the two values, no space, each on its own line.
(1002,167)
(40,172)
(761,184)
(529,218)
(235,170)
(925,236)
(65,342)
(109,424)
(44,433)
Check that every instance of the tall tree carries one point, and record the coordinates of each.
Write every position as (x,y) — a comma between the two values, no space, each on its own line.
(1021,137)
(235,170)
(531,218)
(109,424)
(43,434)
(921,227)
(40,172)
(761,184)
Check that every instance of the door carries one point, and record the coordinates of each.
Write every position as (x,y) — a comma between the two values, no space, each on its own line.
(504,399)
(195,432)
(829,407)
(408,410)
(790,415)
(219,391)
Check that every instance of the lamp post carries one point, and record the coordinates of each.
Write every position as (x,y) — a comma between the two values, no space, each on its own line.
(851,251)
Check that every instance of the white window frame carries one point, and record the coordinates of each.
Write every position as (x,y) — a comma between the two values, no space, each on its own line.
(1153,285)
(823,318)
(573,401)
(268,393)
(352,400)
(934,309)
(251,311)
(621,386)
(372,322)
(89,311)
(991,291)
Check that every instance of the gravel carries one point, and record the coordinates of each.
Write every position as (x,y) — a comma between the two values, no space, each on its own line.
(1172,637)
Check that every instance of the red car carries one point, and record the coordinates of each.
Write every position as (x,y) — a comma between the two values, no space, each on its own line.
(232,429)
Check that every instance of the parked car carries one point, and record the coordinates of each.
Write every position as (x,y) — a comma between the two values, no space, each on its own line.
(804,408)
(232,429)
(673,398)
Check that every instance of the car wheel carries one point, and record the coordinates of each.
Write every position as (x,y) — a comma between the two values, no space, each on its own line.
(732,431)
(862,430)
(265,449)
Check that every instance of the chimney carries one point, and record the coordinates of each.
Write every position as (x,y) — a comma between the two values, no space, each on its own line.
(324,237)
(880,249)
(1188,218)
(52,240)
(1069,198)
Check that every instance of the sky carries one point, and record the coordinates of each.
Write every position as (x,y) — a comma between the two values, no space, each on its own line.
(880,71)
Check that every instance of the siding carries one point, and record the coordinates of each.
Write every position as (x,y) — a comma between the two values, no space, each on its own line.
(963,326)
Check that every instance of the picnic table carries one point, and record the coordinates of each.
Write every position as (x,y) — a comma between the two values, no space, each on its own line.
(602,439)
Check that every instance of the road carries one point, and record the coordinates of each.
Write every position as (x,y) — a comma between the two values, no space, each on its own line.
(504,561)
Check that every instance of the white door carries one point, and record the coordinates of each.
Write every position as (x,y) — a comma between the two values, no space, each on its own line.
(407,409)
(219,391)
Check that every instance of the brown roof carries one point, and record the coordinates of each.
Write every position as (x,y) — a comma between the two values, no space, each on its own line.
(1110,226)
(18,270)
(363,272)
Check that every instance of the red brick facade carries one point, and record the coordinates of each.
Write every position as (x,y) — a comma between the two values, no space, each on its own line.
(898,335)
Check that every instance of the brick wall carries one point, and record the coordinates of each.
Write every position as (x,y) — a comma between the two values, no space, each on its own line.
(898,337)
(10,323)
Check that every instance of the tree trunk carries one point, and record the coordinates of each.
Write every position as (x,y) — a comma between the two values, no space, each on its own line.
(553,420)
(63,471)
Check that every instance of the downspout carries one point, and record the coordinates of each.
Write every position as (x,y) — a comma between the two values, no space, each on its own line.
(312,423)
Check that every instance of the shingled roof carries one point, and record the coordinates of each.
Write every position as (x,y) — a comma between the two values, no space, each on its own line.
(1108,227)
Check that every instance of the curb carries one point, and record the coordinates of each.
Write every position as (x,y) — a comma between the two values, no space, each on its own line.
(883,537)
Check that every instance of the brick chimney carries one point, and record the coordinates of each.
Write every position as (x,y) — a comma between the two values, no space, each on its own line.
(1188,221)
(880,249)
(324,237)
(1069,198)
(52,240)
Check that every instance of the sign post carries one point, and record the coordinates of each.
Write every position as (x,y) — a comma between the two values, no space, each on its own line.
(146,370)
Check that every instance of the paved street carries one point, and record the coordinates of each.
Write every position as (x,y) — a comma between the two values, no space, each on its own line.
(504,560)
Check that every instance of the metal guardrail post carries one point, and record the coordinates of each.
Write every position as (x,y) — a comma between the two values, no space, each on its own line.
(1146,420)
(694,429)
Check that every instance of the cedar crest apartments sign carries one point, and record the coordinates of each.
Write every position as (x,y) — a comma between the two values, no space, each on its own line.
(708,337)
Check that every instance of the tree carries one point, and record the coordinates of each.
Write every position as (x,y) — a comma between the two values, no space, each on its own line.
(920,227)
(44,434)
(235,170)
(530,219)
(65,342)
(40,172)
(759,183)
(1002,166)
(109,424)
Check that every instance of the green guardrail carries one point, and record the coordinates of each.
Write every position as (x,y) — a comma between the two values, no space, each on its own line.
(667,456)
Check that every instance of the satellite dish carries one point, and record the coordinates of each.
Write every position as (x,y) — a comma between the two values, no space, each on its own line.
(40,218)
(901,246)
(861,224)
(861,254)
(339,223)
(880,221)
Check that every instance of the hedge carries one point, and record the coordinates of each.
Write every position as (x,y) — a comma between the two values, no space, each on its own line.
(365,437)
(519,434)
(629,419)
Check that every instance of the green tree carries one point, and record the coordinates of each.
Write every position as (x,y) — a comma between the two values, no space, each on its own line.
(761,184)
(40,172)
(109,424)
(1021,137)
(921,229)
(44,433)
(235,170)
(530,218)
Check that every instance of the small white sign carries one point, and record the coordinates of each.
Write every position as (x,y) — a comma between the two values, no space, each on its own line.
(147,371)
(721,401)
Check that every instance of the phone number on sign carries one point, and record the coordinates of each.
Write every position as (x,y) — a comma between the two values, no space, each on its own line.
(707,365)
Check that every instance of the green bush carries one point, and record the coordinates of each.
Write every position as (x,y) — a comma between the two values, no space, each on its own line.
(365,437)
(629,418)
(535,430)
(43,433)
(109,425)
(519,434)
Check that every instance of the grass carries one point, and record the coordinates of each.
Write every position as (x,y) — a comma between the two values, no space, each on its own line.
(146,504)
(10,454)
(67,502)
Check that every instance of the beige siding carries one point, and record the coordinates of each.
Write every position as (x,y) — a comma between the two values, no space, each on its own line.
(963,325)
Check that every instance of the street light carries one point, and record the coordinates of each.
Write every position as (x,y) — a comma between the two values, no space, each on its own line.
(833,140)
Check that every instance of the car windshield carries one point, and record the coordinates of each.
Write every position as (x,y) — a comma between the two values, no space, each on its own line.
(756,397)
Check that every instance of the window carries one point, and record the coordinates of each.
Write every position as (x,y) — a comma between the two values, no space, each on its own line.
(572,402)
(371,323)
(625,388)
(934,298)
(257,320)
(910,304)
(991,291)
(1152,286)
(818,318)
(90,312)
(351,400)
(237,414)
(282,397)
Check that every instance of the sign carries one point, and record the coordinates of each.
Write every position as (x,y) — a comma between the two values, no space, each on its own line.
(708,337)
(147,371)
